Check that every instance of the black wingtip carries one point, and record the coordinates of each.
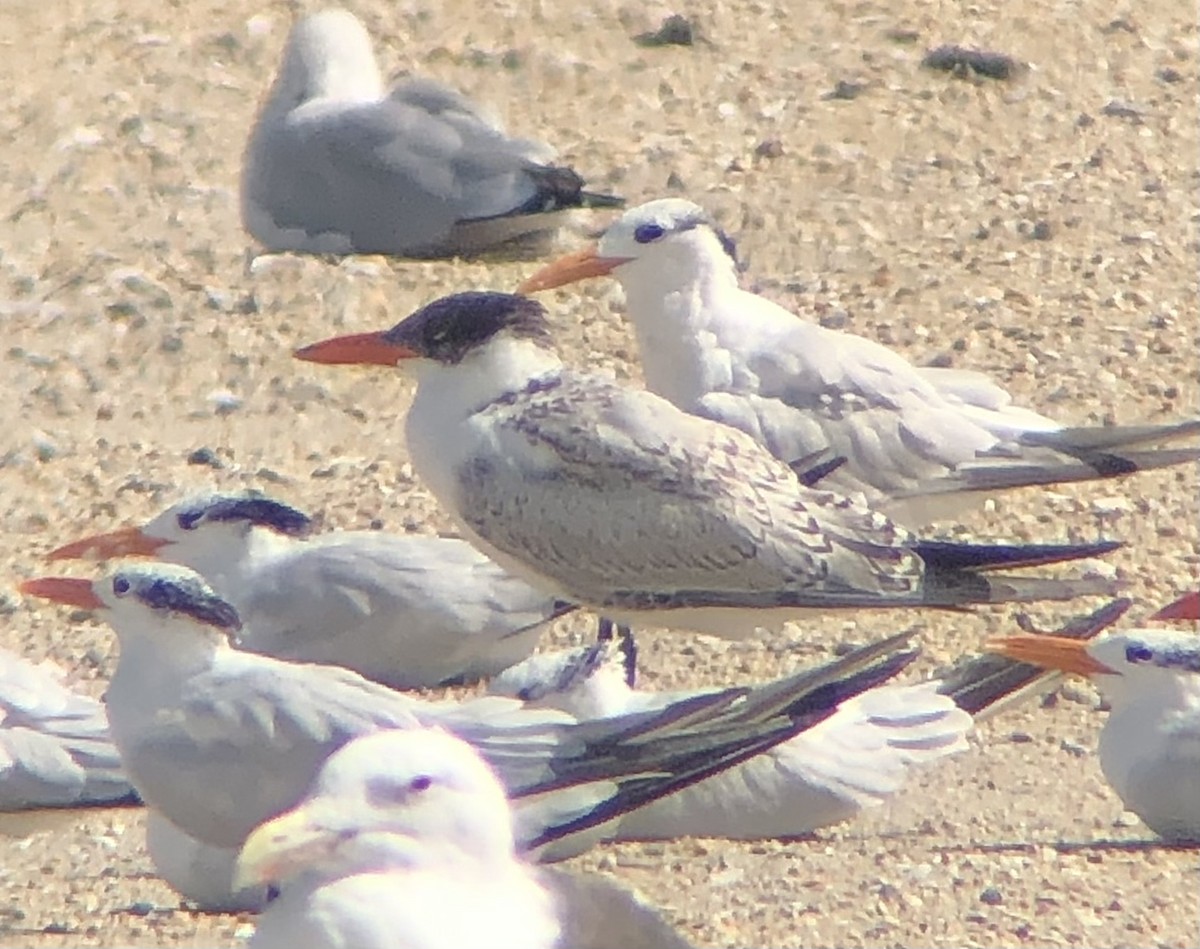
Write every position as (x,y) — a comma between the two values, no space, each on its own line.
(593,199)
(950,555)
(559,187)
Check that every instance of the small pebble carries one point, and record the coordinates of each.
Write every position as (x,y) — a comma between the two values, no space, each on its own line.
(961,61)
(991,896)
(675,30)
(205,456)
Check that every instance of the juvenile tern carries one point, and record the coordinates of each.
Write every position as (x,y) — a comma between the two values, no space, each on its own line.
(406,611)
(338,164)
(613,498)
(919,441)
(1150,744)
(219,740)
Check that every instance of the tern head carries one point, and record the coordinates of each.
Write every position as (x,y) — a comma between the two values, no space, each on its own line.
(422,786)
(156,598)
(1123,664)
(446,331)
(328,55)
(669,241)
(198,531)
(587,682)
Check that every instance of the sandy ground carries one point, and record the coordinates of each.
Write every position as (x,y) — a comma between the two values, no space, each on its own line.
(1041,230)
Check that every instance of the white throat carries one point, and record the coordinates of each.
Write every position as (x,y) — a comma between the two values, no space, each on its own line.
(439,429)
(670,298)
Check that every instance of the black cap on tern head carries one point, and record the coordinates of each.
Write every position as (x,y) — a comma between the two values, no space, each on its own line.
(447,329)
(252,508)
(177,590)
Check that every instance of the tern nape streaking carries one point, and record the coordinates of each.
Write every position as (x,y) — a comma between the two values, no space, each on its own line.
(919,441)
(407,611)
(1150,743)
(338,164)
(401,831)
(859,757)
(219,740)
(613,498)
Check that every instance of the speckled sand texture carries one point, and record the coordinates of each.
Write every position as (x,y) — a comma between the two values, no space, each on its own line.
(1041,229)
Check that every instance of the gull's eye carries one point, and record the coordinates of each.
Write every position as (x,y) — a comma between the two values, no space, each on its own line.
(648,233)
(1138,653)
(121,586)
(388,793)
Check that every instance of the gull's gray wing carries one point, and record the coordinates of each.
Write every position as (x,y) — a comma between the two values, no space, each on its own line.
(400,175)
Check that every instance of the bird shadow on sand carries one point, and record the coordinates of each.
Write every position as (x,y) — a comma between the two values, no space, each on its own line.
(1076,846)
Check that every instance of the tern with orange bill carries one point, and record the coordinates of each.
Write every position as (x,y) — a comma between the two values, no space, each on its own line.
(920,442)
(407,611)
(613,498)
(1150,744)
(218,740)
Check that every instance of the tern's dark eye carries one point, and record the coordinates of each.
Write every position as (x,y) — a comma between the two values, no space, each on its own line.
(189,519)
(1138,653)
(422,782)
(648,233)
(121,586)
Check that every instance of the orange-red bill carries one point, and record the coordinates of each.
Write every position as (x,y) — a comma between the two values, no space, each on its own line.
(126,542)
(357,349)
(573,267)
(1050,652)
(1186,607)
(69,591)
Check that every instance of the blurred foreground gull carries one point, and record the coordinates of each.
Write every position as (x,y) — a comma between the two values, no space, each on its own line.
(613,498)
(54,744)
(857,758)
(1150,744)
(406,840)
(406,611)
(338,164)
(219,740)
(916,439)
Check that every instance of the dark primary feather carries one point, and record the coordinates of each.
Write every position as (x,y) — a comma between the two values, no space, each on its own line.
(777,711)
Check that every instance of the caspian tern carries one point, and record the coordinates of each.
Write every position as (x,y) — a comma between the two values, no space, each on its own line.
(54,744)
(613,498)
(400,833)
(918,441)
(219,740)
(1150,744)
(338,164)
(857,758)
(406,611)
